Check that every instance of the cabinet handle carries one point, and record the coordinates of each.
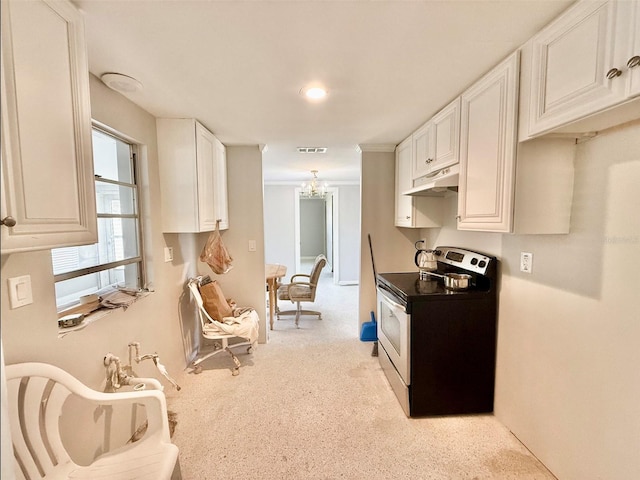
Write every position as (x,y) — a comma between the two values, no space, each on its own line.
(9,222)
(458,217)
(408,217)
(634,61)
(613,73)
(429,160)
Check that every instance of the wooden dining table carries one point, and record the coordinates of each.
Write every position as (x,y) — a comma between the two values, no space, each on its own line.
(274,271)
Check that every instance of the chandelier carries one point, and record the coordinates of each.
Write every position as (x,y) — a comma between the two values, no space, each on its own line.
(313,189)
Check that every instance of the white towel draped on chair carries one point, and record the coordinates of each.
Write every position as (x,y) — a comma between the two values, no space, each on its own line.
(245,325)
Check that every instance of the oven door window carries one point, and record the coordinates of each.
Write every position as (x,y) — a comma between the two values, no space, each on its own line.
(390,325)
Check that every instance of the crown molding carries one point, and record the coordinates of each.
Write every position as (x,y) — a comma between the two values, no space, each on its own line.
(376,147)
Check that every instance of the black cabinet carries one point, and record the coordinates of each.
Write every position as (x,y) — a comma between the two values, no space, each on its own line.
(453,355)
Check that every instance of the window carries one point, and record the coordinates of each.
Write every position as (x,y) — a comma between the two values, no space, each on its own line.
(116,260)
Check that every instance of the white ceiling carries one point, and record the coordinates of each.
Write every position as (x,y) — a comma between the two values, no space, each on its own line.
(238,67)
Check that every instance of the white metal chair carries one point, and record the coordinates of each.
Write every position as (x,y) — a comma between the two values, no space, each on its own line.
(302,288)
(215,330)
(37,393)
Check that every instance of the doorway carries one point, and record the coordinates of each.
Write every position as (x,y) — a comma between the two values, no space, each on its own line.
(316,229)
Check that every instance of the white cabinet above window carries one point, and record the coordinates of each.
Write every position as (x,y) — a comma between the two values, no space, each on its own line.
(48,197)
(193,177)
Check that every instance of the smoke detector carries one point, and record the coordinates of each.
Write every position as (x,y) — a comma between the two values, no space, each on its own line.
(121,83)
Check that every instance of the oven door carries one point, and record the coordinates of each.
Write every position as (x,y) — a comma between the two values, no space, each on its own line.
(393,333)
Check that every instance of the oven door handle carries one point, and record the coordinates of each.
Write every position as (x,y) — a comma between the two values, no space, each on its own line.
(391,301)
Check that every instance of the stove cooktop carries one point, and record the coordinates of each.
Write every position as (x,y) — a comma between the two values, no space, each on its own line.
(409,287)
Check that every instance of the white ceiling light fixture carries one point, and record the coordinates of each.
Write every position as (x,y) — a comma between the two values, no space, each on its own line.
(121,83)
(314,93)
(314,189)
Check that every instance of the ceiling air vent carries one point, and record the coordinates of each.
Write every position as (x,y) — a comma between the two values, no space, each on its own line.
(312,149)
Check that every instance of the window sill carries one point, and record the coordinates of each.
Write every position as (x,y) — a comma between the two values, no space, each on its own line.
(97,315)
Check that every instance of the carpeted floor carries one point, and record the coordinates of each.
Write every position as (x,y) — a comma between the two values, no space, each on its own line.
(314,404)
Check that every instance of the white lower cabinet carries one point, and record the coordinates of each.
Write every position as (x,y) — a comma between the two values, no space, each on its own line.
(488,150)
(48,191)
(413,212)
(193,179)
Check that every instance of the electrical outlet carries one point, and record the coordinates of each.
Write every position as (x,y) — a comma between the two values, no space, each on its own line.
(526,262)
(168,254)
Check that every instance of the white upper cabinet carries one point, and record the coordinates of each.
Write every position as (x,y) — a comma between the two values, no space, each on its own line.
(488,150)
(48,192)
(221,196)
(404,203)
(633,60)
(412,212)
(446,126)
(584,62)
(422,151)
(193,178)
(436,144)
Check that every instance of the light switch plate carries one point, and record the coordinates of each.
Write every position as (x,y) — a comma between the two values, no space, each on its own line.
(252,245)
(20,293)
(168,254)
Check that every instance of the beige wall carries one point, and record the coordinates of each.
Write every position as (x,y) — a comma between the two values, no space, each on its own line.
(30,333)
(280,220)
(164,321)
(569,333)
(393,248)
(245,282)
(568,382)
(568,349)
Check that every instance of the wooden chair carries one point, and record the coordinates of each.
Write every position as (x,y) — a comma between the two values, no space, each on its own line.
(36,395)
(302,288)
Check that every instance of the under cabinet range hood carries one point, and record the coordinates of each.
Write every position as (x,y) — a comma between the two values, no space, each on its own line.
(436,184)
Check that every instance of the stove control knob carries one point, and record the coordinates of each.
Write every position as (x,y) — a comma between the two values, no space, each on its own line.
(474,261)
(438,252)
(482,264)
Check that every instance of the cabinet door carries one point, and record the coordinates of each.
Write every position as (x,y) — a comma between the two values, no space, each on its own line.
(571,61)
(220,188)
(487,150)
(422,151)
(446,128)
(206,167)
(404,203)
(632,60)
(47,166)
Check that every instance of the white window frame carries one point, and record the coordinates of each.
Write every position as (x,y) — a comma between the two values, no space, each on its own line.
(139,258)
